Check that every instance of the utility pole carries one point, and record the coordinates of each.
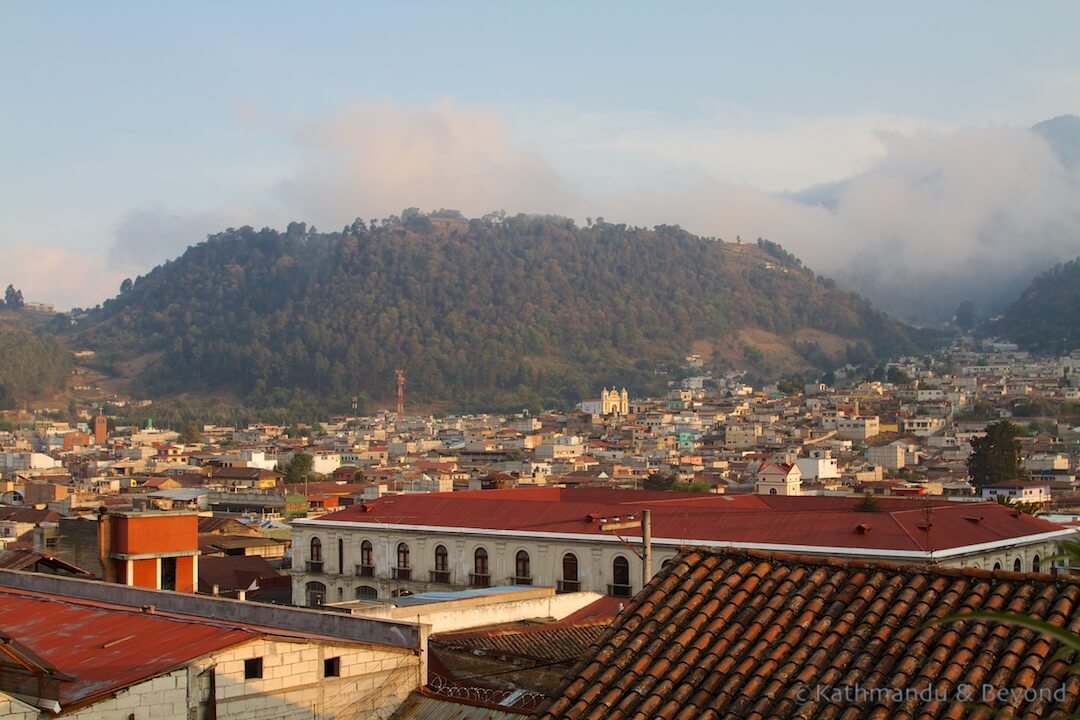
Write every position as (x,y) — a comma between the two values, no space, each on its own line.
(645,523)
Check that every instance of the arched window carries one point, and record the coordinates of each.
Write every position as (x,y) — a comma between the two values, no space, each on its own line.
(772,491)
(620,577)
(366,592)
(441,573)
(314,562)
(480,576)
(315,594)
(1035,564)
(522,571)
(997,566)
(367,560)
(401,571)
(1018,565)
(569,582)
(366,554)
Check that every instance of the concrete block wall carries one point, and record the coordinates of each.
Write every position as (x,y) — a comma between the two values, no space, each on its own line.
(165,696)
(373,682)
(12,709)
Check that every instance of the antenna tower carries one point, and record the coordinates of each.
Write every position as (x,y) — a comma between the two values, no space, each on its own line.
(400,392)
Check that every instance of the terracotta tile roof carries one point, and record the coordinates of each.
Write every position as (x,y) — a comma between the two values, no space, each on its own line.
(754,635)
(555,642)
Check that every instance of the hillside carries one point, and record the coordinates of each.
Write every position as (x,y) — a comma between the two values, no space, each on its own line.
(479,313)
(33,365)
(1046,317)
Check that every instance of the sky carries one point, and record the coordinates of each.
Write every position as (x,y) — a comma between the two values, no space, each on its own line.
(129,131)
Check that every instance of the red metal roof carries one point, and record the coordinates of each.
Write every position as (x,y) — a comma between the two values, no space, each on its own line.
(107,647)
(827,522)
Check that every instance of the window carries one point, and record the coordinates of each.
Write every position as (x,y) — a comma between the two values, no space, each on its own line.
(480,576)
(569,582)
(620,577)
(772,491)
(366,554)
(331,667)
(480,561)
(366,568)
(441,573)
(315,593)
(1035,564)
(1018,565)
(253,668)
(314,562)
(522,574)
(997,566)
(402,571)
(366,592)
(341,556)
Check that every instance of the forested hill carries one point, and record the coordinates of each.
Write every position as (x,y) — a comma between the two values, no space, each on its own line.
(498,312)
(32,365)
(1046,317)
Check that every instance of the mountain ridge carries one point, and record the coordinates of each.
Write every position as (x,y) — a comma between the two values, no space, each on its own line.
(497,311)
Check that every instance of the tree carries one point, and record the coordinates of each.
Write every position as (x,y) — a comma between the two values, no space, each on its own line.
(965,316)
(299,468)
(13,298)
(995,457)
(190,433)
(868,503)
(126,285)
(659,481)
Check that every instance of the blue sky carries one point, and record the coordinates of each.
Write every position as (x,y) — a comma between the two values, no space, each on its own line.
(132,129)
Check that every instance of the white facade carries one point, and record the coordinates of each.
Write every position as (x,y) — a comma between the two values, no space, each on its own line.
(818,467)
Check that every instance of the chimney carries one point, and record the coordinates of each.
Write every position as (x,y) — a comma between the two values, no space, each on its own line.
(108,571)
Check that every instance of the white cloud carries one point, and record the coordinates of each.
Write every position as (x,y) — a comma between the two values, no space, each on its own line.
(926,216)
(59,276)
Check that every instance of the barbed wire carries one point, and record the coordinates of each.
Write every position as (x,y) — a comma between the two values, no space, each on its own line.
(522,699)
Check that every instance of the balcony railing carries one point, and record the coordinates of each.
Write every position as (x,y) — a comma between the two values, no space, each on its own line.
(620,590)
(523,580)
(568,586)
(314,566)
(365,571)
(439,576)
(402,573)
(479,580)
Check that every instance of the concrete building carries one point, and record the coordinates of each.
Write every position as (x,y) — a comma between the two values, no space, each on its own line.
(857,428)
(586,538)
(89,650)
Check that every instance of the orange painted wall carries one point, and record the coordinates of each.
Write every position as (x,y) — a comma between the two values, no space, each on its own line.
(144,573)
(185,570)
(155,534)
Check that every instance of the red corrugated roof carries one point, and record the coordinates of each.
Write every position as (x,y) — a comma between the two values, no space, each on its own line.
(72,635)
(830,522)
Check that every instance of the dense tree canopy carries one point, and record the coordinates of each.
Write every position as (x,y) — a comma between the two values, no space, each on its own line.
(995,457)
(1046,317)
(30,366)
(499,311)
